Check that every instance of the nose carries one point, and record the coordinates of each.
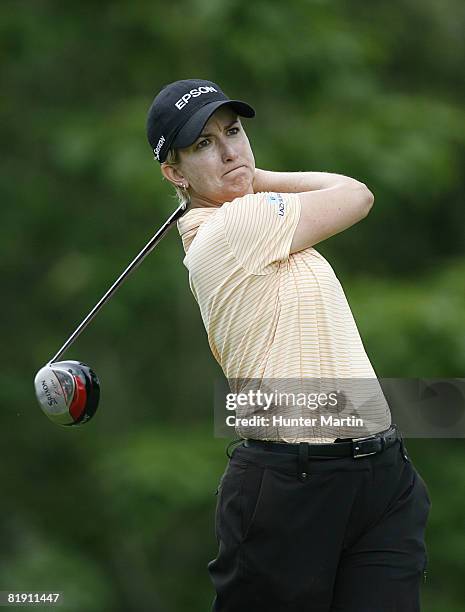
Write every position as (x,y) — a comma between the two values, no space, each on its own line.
(228,153)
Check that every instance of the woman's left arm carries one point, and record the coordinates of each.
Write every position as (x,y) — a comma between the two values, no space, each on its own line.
(298,182)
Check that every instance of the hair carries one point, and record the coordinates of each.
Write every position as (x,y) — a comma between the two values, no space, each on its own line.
(182,195)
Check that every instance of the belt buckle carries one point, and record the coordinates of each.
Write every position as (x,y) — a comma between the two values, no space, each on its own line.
(356,454)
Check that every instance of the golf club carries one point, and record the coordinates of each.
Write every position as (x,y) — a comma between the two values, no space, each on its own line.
(69,391)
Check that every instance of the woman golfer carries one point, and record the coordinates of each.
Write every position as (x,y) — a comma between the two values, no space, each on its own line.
(320,508)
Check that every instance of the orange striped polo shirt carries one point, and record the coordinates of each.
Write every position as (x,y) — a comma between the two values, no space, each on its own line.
(271,315)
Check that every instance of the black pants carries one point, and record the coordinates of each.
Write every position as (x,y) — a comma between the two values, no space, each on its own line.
(348,538)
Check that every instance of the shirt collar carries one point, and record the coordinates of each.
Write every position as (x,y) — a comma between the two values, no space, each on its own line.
(190,222)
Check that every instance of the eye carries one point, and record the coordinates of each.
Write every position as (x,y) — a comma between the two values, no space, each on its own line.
(233,131)
(202,144)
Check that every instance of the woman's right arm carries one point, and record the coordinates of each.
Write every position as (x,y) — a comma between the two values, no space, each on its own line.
(330,203)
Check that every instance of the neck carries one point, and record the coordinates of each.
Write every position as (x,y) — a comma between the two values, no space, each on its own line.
(199,201)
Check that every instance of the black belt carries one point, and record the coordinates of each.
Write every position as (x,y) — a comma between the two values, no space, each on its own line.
(352,447)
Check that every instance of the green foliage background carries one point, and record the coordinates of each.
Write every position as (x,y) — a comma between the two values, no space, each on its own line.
(119,515)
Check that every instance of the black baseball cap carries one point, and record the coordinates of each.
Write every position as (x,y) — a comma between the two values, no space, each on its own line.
(180,111)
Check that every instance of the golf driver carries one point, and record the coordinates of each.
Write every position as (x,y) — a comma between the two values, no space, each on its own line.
(69,391)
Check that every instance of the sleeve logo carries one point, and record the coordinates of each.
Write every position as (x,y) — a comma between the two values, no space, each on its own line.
(277,200)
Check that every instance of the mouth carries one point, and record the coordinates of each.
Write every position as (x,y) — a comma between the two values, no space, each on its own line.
(234,169)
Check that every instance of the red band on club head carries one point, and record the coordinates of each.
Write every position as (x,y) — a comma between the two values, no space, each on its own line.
(78,405)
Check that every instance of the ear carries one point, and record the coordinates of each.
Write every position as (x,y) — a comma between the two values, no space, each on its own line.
(173,175)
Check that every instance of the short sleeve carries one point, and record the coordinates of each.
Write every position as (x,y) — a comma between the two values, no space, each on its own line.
(259,228)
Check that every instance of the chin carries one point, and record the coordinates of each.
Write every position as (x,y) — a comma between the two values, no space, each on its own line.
(240,186)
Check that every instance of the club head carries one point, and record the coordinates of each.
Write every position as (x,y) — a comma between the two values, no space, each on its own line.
(68,392)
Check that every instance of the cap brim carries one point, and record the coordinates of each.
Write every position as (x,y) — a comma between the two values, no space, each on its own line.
(191,130)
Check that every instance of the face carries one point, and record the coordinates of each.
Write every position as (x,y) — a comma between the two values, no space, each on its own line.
(219,166)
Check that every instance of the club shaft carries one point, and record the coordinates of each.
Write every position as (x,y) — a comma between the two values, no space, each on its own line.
(132,266)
